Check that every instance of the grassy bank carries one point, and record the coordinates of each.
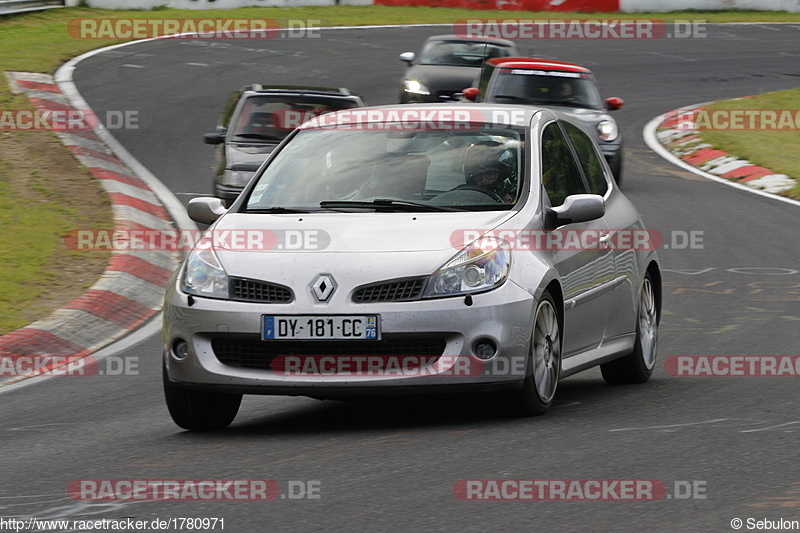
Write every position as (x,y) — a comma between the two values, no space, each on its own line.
(772,146)
(44,193)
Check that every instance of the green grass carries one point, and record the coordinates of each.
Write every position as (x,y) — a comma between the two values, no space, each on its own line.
(775,150)
(34,215)
(25,248)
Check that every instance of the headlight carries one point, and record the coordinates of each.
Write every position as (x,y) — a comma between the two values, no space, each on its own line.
(413,86)
(608,130)
(481,266)
(237,178)
(204,276)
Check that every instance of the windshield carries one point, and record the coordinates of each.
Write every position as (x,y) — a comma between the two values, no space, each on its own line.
(540,87)
(479,169)
(461,54)
(273,117)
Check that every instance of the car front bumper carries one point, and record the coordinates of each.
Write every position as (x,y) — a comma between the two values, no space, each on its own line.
(215,330)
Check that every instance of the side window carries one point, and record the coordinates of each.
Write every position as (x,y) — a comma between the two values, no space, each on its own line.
(592,167)
(229,107)
(560,174)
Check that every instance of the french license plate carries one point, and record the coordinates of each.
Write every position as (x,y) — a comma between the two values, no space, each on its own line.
(323,327)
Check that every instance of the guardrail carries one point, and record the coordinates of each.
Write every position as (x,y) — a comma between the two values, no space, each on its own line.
(8,7)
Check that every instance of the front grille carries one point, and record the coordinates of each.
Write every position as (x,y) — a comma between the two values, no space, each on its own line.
(390,291)
(251,352)
(248,290)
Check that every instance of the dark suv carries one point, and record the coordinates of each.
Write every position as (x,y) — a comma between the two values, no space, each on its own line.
(256,119)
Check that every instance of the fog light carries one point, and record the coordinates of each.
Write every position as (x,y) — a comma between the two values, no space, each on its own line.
(485,350)
(180,349)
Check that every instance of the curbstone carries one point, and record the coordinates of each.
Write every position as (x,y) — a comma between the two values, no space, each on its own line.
(129,292)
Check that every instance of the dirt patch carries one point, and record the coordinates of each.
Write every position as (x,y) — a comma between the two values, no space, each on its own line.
(38,173)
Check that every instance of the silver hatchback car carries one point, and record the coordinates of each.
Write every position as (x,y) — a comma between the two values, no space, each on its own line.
(414,249)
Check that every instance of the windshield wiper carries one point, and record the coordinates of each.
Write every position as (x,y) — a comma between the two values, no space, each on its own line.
(387,202)
(516,98)
(276,209)
(258,136)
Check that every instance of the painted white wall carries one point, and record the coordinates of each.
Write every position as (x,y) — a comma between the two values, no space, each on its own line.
(632,6)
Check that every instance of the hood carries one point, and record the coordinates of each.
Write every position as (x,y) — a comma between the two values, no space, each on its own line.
(356,233)
(248,156)
(443,78)
(590,117)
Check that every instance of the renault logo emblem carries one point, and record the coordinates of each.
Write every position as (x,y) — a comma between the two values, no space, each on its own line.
(323,287)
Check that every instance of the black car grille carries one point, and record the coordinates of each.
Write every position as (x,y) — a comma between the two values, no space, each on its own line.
(251,352)
(248,290)
(390,291)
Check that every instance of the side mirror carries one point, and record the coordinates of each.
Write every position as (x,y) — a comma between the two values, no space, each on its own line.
(578,208)
(205,210)
(408,57)
(213,138)
(470,93)
(614,103)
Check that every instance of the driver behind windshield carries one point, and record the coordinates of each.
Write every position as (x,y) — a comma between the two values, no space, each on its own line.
(490,166)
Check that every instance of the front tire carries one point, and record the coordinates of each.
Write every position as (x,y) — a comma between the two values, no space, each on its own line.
(200,410)
(638,366)
(544,364)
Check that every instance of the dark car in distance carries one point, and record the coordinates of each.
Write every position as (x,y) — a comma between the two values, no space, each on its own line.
(256,119)
(446,64)
(563,86)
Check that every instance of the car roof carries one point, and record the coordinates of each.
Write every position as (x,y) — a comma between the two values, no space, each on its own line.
(455,38)
(296,89)
(502,114)
(537,63)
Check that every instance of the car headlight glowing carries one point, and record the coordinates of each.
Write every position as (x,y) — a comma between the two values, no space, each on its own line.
(481,266)
(413,86)
(608,130)
(204,276)
(236,178)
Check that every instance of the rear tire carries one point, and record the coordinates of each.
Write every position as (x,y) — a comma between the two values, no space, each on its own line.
(638,366)
(543,369)
(197,410)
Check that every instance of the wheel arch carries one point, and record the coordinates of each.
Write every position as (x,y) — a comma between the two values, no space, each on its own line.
(554,288)
(655,274)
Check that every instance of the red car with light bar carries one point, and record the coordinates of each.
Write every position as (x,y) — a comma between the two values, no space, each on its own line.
(564,86)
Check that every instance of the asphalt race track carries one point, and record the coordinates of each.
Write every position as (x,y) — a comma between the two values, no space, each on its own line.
(392,465)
